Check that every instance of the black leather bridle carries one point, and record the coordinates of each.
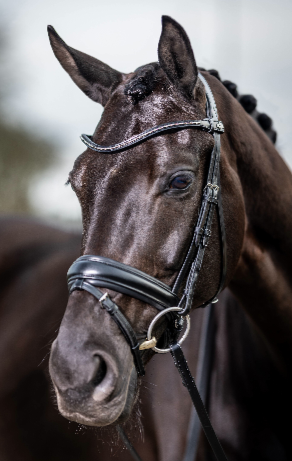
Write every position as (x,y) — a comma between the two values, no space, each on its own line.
(89,272)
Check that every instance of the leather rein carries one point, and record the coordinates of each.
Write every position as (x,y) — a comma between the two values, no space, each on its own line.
(90,272)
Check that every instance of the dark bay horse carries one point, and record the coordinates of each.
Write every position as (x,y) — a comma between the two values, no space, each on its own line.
(139,207)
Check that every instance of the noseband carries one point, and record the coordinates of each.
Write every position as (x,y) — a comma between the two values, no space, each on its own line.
(89,272)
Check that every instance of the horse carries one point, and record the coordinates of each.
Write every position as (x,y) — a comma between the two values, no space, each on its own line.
(139,207)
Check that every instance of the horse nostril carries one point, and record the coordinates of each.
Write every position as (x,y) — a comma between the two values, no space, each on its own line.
(104,378)
(101,370)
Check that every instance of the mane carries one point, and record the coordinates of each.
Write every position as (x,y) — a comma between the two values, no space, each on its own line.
(144,80)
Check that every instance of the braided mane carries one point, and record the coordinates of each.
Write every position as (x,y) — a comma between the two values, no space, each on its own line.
(249,103)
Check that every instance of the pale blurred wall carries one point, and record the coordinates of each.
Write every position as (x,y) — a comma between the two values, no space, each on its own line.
(247,41)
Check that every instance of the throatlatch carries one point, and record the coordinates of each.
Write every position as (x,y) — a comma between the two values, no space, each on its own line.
(89,272)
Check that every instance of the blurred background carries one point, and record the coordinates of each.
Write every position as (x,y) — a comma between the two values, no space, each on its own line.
(42,112)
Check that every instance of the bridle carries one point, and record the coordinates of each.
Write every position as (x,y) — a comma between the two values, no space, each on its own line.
(89,272)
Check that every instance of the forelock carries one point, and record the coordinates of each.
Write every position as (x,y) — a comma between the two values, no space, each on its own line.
(143,82)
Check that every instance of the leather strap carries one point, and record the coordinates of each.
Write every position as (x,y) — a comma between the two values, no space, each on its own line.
(223,241)
(207,125)
(118,317)
(107,273)
(211,198)
(202,379)
(188,381)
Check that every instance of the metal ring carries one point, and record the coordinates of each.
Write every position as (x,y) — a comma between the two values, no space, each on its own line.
(157,317)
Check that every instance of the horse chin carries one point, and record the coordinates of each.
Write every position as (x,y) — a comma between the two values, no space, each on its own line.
(92,413)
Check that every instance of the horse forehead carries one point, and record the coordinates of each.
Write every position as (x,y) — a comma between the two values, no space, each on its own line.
(122,118)
(154,157)
(150,160)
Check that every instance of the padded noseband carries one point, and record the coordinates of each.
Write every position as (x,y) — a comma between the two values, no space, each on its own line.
(89,272)
(107,273)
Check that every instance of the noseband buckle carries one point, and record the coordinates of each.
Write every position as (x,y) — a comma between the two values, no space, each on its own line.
(103,298)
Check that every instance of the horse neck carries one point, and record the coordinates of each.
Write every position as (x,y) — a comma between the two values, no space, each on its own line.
(262,281)
(266,182)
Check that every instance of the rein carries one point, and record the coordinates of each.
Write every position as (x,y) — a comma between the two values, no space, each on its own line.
(89,272)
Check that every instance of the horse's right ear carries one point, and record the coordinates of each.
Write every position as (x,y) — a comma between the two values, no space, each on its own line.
(93,77)
(176,57)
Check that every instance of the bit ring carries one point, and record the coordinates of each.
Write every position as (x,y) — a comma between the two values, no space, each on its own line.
(157,317)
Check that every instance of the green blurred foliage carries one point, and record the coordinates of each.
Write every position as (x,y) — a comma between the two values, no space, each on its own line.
(23,156)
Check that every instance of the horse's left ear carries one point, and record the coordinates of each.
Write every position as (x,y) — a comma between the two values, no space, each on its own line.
(96,79)
(176,57)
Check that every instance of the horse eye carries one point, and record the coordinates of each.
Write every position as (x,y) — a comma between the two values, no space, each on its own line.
(180,182)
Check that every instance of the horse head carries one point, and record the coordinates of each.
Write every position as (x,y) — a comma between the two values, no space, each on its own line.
(139,207)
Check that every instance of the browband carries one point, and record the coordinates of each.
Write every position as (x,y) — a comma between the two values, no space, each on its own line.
(107,273)
(212,126)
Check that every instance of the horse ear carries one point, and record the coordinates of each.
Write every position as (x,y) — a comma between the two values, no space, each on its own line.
(93,77)
(176,57)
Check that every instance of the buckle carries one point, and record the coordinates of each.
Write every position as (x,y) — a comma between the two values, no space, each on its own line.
(212,186)
(219,127)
